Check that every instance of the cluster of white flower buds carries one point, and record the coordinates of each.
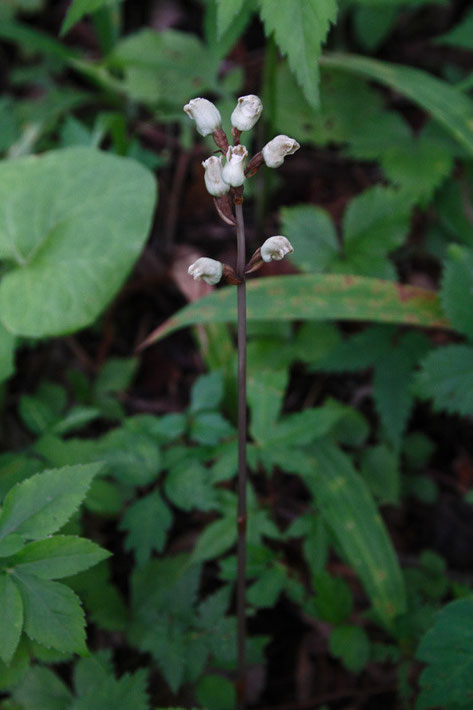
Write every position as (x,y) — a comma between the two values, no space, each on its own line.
(223,179)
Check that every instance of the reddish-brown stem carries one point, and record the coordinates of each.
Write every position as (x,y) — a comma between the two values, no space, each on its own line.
(242,470)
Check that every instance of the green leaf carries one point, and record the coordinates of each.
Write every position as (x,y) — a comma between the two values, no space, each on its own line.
(312,233)
(392,384)
(215,692)
(11,544)
(53,614)
(14,672)
(116,375)
(210,428)
(348,508)
(351,645)
(60,556)
(207,392)
(127,693)
(43,503)
(226,12)
(11,618)
(461,35)
(216,539)
(417,165)
(146,522)
(333,601)
(446,377)
(375,223)
(66,204)
(380,470)
(266,590)
(41,689)
(314,297)
(300,27)
(457,284)
(79,8)
(7,353)
(165,68)
(266,390)
(447,649)
(446,104)
(189,486)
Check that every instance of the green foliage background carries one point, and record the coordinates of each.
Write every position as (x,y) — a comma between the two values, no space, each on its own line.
(77,203)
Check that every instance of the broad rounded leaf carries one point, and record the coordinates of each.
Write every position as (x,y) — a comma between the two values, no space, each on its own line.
(72,223)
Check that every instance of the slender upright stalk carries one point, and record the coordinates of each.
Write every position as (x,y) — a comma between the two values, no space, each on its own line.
(242,470)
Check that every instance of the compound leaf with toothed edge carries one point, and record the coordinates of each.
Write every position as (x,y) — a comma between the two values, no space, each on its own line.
(53,614)
(43,503)
(447,649)
(11,618)
(57,557)
(300,27)
(146,523)
(446,377)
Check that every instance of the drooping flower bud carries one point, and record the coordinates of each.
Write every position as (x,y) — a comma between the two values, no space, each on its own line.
(213,176)
(233,171)
(205,269)
(276,248)
(276,150)
(205,114)
(247,112)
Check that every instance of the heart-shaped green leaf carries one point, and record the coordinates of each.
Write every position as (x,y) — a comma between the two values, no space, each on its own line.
(72,223)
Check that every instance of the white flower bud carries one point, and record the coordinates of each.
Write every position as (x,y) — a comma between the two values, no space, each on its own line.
(276,248)
(276,150)
(247,112)
(205,114)
(213,176)
(208,270)
(234,169)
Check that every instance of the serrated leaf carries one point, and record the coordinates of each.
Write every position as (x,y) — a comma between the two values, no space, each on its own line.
(446,377)
(300,27)
(446,104)
(66,203)
(189,486)
(375,223)
(11,618)
(53,614)
(457,284)
(216,539)
(127,693)
(226,12)
(348,508)
(313,297)
(43,503)
(41,689)
(447,648)
(57,557)
(392,384)
(79,8)
(417,165)
(146,522)
(312,233)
